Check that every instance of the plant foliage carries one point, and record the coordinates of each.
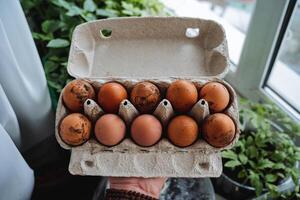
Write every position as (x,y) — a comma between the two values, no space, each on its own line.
(264,155)
(52,23)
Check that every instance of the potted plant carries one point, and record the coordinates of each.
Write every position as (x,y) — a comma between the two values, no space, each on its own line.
(265,158)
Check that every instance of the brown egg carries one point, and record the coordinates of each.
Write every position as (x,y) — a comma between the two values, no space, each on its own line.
(146,130)
(218,130)
(183,131)
(110,129)
(217,96)
(145,97)
(182,95)
(75,94)
(75,129)
(110,96)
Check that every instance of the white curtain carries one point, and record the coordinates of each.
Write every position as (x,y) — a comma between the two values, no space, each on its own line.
(16,178)
(22,76)
(26,117)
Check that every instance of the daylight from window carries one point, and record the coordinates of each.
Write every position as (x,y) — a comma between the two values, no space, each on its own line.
(234,15)
(284,79)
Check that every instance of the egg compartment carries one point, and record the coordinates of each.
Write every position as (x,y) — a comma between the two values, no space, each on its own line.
(90,150)
(160,50)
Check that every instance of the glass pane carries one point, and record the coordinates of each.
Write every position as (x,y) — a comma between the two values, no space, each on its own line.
(234,15)
(284,79)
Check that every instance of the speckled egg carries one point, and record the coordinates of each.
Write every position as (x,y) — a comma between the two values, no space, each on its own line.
(145,97)
(75,93)
(75,129)
(218,130)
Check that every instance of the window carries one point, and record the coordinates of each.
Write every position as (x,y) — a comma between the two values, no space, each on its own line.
(283,80)
(264,71)
(234,15)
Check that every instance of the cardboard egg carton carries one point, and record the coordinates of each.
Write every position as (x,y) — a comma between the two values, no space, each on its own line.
(160,50)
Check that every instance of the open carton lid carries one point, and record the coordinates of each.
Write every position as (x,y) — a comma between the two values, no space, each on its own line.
(148,47)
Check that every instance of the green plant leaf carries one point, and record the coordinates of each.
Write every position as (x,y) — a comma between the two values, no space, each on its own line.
(281,175)
(130,9)
(243,158)
(252,164)
(249,140)
(74,10)
(265,163)
(106,13)
(279,166)
(54,85)
(58,43)
(273,189)
(252,152)
(295,175)
(232,163)
(241,144)
(88,17)
(89,5)
(49,26)
(62,3)
(255,182)
(271,178)
(229,154)
(50,66)
(40,36)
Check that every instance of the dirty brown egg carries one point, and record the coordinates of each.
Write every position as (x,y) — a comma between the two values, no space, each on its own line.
(75,129)
(76,93)
(218,130)
(145,97)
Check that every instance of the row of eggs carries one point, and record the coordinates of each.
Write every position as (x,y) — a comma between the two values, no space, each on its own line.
(145,96)
(146,130)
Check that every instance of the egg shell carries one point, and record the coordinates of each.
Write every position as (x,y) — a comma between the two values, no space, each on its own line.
(183,95)
(145,96)
(219,130)
(110,129)
(217,96)
(146,130)
(183,131)
(76,93)
(75,129)
(110,96)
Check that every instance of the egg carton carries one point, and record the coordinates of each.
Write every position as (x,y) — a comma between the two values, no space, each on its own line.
(159,50)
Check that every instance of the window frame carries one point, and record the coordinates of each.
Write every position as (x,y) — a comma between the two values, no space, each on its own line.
(265,33)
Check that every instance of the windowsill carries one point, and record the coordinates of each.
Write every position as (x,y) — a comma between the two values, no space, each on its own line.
(270,94)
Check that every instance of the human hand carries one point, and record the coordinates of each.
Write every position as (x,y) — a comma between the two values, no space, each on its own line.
(148,186)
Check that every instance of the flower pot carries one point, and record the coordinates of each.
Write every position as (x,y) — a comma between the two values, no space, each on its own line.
(234,190)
